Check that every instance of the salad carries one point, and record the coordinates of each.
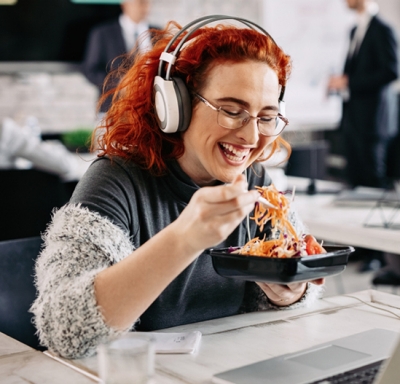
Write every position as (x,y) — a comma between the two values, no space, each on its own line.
(284,241)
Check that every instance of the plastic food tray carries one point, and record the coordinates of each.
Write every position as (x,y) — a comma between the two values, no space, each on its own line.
(278,270)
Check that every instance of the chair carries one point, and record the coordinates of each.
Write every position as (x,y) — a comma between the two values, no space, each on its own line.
(17,289)
(309,160)
(28,197)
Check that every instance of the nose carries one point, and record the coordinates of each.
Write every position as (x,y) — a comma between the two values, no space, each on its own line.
(249,131)
(248,118)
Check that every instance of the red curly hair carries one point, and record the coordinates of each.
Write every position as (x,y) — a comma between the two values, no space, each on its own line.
(130,129)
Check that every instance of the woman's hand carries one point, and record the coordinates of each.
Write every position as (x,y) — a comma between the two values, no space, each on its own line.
(214,212)
(283,295)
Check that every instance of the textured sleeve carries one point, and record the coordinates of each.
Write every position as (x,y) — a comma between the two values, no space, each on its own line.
(78,244)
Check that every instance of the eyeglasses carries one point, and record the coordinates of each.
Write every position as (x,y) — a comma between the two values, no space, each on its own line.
(231,117)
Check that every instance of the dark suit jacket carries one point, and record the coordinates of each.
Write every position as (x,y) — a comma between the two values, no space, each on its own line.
(370,70)
(105,43)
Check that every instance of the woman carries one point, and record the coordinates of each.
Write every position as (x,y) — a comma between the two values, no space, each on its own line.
(128,252)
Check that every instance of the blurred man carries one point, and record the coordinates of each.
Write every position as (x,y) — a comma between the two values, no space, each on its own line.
(111,39)
(369,103)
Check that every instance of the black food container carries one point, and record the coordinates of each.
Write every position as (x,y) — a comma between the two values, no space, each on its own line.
(279,270)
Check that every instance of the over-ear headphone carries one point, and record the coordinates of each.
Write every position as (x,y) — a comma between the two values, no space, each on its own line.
(172,99)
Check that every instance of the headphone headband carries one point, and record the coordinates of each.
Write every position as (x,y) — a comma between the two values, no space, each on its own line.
(202,21)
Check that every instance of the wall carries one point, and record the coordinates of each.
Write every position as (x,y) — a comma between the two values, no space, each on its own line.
(58,95)
(313,32)
(61,98)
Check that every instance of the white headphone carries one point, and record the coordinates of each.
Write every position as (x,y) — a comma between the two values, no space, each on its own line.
(172,99)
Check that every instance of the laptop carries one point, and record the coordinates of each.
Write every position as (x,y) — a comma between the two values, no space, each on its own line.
(371,349)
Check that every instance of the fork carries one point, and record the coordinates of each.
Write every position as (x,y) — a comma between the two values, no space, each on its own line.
(266,203)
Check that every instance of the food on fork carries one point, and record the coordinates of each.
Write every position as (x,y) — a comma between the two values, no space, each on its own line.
(284,241)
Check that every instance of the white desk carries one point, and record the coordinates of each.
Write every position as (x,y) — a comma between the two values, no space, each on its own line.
(226,343)
(344,224)
(20,364)
(243,339)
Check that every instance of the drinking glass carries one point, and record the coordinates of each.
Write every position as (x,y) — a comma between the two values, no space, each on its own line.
(126,360)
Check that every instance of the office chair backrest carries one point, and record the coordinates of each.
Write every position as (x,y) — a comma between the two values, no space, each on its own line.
(308,160)
(17,289)
(28,197)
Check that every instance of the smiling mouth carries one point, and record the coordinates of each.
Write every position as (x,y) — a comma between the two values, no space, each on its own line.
(232,153)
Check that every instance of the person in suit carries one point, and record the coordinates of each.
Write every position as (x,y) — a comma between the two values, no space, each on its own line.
(109,41)
(369,102)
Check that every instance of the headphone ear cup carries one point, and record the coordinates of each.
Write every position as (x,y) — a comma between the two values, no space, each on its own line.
(184,103)
(172,104)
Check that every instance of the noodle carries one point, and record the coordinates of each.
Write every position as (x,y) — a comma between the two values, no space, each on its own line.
(284,241)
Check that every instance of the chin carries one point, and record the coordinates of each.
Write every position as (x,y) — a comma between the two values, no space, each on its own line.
(228,178)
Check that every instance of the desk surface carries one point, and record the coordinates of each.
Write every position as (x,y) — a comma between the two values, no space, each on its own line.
(342,224)
(20,364)
(243,339)
(345,224)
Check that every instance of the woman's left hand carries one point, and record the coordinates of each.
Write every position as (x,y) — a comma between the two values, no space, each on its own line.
(283,295)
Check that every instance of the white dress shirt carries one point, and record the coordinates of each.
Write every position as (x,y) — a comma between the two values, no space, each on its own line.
(363,21)
(134,33)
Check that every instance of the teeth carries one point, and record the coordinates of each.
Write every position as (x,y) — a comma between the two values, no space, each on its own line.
(238,154)
(233,158)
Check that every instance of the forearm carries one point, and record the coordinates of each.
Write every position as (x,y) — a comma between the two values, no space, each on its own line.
(125,290)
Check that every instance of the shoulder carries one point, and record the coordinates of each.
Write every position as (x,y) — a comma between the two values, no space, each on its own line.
(111,188)
(379,24)
(106,27)
(115,164)
(104,167)
(105,176)
(157,27)
(115,168)
(114,175)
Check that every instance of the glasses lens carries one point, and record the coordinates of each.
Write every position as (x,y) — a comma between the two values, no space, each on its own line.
(232,117)
(271,125)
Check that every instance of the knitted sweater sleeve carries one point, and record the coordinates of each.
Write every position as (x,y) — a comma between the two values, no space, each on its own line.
(78,244)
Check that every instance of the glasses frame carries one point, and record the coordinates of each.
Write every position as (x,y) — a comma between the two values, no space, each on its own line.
(219,109)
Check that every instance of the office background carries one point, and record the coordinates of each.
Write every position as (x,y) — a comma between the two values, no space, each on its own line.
(42,43)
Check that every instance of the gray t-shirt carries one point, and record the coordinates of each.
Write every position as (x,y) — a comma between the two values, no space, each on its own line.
(142,205)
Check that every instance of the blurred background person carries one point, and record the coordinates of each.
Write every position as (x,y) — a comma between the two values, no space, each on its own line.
(369,116)
(109,40)
(24,142)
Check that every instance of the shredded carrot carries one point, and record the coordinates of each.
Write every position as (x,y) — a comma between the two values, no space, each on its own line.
(284,241)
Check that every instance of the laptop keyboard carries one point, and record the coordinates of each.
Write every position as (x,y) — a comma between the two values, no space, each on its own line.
(363,375)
